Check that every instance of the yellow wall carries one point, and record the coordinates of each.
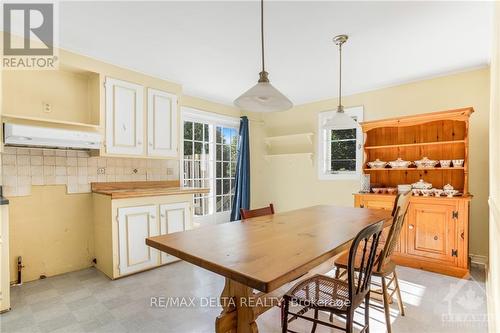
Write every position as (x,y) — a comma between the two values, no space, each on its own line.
(493,276)
(52,231)
(292,182)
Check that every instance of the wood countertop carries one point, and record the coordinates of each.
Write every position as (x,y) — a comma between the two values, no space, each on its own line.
(122,190)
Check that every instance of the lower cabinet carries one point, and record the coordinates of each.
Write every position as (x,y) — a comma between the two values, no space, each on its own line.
(434,235)
(121,227)
(135,224)
(173,218)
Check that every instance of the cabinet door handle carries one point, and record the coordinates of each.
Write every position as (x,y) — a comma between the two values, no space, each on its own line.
(411,226)
(152,216)
(162,215)
(435,237)
(361,206)
(151,144)
(139,142)
(462,235)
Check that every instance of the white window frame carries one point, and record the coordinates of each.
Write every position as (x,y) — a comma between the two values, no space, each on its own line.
(214,119)
(322,149)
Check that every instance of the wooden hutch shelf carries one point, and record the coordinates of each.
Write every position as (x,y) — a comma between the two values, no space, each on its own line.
(435,236)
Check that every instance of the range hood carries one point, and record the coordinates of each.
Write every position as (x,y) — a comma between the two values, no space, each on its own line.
(36,136)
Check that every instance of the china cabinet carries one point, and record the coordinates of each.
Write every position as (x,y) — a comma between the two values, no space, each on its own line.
(435,236)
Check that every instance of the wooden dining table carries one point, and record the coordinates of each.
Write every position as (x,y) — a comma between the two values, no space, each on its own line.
(261,256)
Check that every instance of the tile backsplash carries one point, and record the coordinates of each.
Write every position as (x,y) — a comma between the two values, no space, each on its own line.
(24,167)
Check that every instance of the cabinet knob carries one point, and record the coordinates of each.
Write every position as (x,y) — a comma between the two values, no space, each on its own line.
(435,237)
(162,215)
(151,144)
(411,226)
(361,206)
(152,216)
(139,142)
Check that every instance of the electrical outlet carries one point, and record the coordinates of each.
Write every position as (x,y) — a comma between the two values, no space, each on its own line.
(101,171)
(47,107)
(170,171)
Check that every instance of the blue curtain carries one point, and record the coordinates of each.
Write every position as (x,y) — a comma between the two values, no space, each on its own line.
(242,186)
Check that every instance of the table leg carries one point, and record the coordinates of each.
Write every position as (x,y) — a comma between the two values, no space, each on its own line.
(237,316)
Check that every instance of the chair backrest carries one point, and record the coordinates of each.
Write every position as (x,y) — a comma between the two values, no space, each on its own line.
(248,213)
(398,217)
(361,259)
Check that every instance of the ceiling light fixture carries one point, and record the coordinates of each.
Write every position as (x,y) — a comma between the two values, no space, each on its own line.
(263,97)
(340,120)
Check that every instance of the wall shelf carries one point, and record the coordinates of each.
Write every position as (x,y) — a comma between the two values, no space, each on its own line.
(27,119)
(290,138)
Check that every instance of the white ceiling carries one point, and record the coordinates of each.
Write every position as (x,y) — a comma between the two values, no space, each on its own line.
(213,48)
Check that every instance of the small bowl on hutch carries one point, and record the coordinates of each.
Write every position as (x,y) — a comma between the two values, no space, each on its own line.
(448,187)
(421,185)
(458,163)
(391,190)
(377,164)
(426,192)
(438,192)
(426,163)
(378,190)
(415,192)
(399,163)
(450,193)
(445,163)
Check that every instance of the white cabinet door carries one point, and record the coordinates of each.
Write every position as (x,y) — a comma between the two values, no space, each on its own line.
(135,224)
(124,118)
(173,218)
(162,123)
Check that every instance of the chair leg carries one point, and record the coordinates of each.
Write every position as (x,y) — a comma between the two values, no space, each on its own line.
(315,323)
(385,294)
(367,313)
(398,291)
(337,272)
(284,317)
(349,321)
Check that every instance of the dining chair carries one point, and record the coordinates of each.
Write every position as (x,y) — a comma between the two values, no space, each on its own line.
(248,213)
(338,297)
(384,267)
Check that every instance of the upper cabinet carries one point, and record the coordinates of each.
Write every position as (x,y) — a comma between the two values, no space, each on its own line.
(126,116)
(162,123)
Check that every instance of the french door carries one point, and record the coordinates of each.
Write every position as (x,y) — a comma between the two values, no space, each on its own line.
(209,160)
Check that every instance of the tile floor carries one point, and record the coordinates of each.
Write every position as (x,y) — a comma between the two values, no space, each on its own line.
(87,301)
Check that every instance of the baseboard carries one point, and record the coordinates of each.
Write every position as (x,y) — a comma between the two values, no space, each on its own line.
(479,260)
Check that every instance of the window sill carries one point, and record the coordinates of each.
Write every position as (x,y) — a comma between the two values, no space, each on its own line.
(340,176)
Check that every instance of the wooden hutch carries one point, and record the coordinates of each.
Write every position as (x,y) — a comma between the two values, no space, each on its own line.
(435,236)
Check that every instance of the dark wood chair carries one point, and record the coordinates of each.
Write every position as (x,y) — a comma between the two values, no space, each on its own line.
(341,298)
(384,267)
(249,213)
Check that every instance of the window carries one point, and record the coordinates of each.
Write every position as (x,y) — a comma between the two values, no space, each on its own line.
(339,151)
(209,160)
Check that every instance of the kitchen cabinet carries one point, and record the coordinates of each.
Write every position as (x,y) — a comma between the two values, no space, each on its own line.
(124,117)
(122,225)
(173,218)
(135,224)
(140,127)
(162,123)
(4,258)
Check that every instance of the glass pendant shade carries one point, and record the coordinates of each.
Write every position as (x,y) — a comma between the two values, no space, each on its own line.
(263,97)
(340,121)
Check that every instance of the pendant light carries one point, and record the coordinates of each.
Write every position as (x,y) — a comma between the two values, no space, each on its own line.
(263,97)
(340,120)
